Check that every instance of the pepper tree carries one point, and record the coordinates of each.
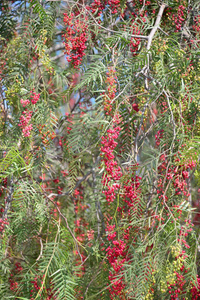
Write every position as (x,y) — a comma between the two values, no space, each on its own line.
(99,160)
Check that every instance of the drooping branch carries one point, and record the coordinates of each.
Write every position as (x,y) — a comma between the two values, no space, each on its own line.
(145,70)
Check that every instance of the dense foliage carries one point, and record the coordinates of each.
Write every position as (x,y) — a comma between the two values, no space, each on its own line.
(99,160)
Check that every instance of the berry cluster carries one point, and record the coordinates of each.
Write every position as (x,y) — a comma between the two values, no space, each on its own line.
(178,18)
(27,114)
(176,274)
(97,6)
(109,96)
(3,223)
(46,135)
(14,284)
(112,170)
(37,283)
(117,251)
(135,42)
(128,192)
(178,176)
(34,97)
(75,38)
(195,291)
(24,123)
(159,136)
(24,102)
(114,6)
(4,183)
(196,27)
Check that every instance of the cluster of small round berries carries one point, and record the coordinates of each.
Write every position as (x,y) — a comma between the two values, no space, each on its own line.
(135,42)
(27,114)
(47,135)
(112,170)
(159,136)
(3,223)
(24,102)
(114,6)
(34,97)
(24,123)
(118,248)
(109,96)
(75,38)
(178,18)
(14,284)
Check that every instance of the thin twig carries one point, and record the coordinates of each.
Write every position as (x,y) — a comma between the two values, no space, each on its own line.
(156,26)
(150,39)
(41,249)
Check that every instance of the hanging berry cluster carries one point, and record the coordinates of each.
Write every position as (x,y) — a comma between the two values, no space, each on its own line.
(112,170)
(179,19)
(109,95)
(114,192)
(75,38)
(25,118)
(117,251)
(135,42)
(24,123)
(110,181)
